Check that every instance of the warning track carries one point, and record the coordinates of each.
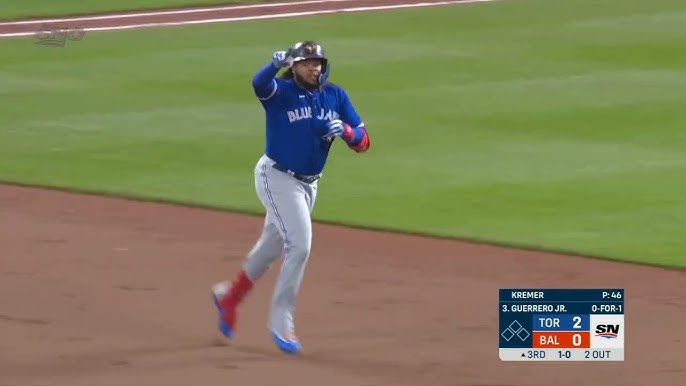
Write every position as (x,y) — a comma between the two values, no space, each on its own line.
(221,14)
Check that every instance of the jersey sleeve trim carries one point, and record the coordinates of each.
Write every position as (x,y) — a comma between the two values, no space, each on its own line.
(276,86)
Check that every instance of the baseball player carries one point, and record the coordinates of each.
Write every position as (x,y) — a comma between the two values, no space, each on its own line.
(304,115)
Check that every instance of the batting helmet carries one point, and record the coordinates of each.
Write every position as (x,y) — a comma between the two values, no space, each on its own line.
(310,49)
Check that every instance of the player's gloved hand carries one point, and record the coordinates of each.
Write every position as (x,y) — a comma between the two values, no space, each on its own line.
(282,59)
(337,128)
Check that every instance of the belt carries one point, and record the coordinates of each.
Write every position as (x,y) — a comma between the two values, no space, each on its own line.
(301,177)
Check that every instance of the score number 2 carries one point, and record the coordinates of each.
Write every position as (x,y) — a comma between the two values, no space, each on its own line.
(577,321)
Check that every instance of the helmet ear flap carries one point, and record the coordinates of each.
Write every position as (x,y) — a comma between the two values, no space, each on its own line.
(325,72)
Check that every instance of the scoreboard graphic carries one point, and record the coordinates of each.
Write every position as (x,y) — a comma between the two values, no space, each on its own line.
(561,325)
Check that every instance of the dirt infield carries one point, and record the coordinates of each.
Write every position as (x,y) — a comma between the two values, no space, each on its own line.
(104,291)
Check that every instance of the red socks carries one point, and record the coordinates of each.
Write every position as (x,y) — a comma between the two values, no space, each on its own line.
(239,288)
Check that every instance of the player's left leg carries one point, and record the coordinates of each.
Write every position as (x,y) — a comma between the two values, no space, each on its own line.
(299,225)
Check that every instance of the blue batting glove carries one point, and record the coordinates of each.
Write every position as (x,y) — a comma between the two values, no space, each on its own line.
(337,128)
(282,59)
(334,128)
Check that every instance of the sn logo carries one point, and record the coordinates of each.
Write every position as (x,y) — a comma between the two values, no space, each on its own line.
(608,331)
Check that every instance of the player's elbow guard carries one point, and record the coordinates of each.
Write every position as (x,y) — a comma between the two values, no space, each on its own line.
(363,144)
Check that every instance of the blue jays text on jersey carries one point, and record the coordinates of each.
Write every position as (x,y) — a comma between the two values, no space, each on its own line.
(296,121)
(306,113)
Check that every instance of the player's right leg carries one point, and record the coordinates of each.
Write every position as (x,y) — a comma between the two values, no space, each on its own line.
(229,295)
(265,252)
(268,248)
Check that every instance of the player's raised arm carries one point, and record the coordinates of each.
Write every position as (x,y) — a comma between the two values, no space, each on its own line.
(264,82)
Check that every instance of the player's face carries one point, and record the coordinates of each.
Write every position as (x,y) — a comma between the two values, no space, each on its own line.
(308,70)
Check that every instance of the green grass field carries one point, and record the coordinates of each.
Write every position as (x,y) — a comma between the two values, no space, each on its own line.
(545,123)
(13,9)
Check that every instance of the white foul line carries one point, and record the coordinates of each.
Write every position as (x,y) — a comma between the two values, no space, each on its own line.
(262,17)
(168,12)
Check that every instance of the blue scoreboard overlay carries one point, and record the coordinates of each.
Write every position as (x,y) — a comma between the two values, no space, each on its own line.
(561,324)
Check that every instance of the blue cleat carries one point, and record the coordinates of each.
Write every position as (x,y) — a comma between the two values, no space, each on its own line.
(289,346)
(218,291)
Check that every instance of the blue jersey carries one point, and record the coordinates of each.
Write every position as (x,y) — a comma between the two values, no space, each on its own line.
(296,120)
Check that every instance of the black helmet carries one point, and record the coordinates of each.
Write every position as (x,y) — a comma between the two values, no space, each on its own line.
(310,49)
